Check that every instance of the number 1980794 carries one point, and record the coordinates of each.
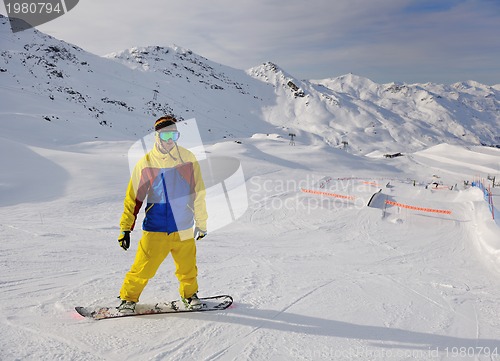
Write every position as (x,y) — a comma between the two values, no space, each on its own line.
(33,8)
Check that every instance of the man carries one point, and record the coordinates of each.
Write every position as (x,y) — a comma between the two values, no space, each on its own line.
(169,176)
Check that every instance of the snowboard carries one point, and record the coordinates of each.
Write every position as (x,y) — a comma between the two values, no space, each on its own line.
(214,303)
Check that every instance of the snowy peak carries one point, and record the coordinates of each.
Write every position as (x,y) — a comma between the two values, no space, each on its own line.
(150,57)
(43,57)
(272,74)
(180,63)
(472,85)
(29,37)
(347,82)
(267,71)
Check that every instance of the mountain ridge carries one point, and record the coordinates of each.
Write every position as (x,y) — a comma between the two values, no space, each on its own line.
(116,96)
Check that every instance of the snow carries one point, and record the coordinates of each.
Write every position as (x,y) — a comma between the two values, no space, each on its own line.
(313,275)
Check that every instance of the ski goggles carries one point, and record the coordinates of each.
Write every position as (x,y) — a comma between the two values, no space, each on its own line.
(166,136)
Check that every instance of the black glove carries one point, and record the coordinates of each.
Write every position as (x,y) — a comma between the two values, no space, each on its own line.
(124,240)
(199,233)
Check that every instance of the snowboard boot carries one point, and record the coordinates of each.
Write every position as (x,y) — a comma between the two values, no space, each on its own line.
(126,307)
(193,302)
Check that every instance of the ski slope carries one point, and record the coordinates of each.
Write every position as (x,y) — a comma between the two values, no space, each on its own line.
(313,276)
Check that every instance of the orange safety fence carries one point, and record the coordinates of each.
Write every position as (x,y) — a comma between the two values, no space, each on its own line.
(375,184)
(328,194)
(432,210)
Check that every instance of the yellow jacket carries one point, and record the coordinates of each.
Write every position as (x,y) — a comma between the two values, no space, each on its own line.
(175,193)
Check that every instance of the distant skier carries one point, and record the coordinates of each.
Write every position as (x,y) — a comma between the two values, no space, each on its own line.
(292,136)
(169,176)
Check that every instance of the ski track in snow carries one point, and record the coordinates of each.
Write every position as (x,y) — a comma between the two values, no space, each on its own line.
(312,277)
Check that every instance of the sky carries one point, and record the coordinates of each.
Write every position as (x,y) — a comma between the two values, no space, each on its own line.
(410,41)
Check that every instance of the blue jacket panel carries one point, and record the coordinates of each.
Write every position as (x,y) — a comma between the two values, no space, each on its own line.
(171,200)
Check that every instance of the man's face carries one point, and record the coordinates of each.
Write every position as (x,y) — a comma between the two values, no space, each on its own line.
(168,136)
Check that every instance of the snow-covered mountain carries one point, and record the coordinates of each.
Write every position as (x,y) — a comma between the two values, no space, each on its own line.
(119,95)
(388,116)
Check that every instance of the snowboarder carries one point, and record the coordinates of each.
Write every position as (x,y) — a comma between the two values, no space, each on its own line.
(170,177)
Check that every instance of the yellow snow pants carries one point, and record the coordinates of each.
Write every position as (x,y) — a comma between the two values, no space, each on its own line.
(152,250)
